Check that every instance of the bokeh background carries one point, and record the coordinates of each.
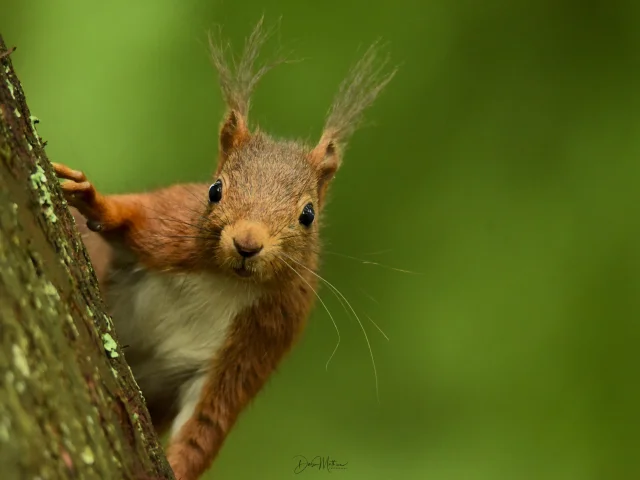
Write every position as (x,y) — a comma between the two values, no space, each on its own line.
(502,165)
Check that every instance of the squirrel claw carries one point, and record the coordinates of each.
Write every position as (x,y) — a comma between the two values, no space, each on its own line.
(82,195)
(94,226)
(66,173)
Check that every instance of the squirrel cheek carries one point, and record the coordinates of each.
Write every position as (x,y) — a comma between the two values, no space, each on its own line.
(226,244)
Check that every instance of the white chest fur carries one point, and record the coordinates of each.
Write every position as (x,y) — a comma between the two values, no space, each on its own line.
(174,325)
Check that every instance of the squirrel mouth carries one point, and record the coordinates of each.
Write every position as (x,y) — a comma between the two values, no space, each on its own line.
(242,270)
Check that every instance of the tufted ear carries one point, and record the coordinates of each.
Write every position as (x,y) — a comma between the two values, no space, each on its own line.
(325,158)
(357,92)
(233,134)
(238,77)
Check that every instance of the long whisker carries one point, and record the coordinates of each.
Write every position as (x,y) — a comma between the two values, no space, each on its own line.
(204,205)
(323,304)
(201,201)
(369,296)
(349,313)
(369,262)
(190,191)
(379,252)
(200,237)
(373,362)
(370,319)
(164,216)
(181,222)
(377,326)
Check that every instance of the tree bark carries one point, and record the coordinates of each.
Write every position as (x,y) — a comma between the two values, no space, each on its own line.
(69,406)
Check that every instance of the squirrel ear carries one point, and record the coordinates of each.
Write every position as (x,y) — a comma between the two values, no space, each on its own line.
(325,158)
(234,132)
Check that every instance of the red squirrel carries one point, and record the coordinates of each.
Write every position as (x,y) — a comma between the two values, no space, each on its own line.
(209,285)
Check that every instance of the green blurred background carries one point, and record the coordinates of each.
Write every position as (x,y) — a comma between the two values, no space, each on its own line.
(503,166)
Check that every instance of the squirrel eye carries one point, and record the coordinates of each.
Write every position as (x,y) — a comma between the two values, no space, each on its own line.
(307,215)
(215,192)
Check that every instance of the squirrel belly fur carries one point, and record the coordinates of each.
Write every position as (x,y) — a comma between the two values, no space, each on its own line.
(209,285)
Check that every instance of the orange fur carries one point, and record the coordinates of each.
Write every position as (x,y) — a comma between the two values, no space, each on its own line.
(249,242)
(259,340)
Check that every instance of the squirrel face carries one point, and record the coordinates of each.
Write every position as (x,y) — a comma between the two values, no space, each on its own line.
(266,194)
(263,205)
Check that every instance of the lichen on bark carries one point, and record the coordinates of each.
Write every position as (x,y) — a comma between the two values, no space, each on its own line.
(69,406)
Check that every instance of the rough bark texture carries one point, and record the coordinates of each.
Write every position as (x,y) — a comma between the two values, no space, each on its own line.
(69,406)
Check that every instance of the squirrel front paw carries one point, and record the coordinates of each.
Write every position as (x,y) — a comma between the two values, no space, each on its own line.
(82,195)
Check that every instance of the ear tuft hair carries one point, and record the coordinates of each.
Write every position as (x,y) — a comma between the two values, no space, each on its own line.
(364,82)
(358,90)
(238,77)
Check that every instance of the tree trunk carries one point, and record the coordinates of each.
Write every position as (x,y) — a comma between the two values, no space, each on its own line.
(69,406)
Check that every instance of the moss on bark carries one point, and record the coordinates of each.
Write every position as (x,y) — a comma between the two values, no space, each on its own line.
(69,406)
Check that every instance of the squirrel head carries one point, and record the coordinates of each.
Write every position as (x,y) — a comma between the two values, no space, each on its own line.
(267,195)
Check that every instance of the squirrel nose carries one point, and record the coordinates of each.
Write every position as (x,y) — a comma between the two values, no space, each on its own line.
(248,237)
(247,248)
